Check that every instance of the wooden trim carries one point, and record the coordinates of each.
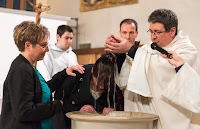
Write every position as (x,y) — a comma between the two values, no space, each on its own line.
(22,4)
(90,51)
(34,2)
(9,4)
(141,45)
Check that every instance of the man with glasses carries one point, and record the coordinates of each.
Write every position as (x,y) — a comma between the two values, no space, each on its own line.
(151,88)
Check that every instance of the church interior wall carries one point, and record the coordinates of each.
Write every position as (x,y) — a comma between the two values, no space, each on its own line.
(95,26)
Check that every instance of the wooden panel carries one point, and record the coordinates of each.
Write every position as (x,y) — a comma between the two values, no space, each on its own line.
(3,3)
(89,55)
(22,4)
(34,2)
(90,51)
(9,4)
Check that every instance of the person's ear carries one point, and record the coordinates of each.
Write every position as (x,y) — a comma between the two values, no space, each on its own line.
(58,37)
(173,31)
(120,33)
(136,34)
(28,45)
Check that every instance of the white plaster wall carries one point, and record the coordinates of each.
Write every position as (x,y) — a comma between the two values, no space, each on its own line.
(44,3)
(11,18)
(95,26)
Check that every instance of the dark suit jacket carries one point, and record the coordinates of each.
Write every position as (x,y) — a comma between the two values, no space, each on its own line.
(77,94)
(22,97)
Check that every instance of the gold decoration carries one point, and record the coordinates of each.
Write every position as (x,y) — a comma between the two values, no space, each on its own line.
(39,9)
(87,5)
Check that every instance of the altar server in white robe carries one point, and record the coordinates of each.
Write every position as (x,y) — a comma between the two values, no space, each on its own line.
(151,85)
(60,55)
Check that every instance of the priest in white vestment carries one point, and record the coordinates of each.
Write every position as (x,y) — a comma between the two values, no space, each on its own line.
(152,85)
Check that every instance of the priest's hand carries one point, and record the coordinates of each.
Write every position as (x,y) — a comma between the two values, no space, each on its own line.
(117,45)
(176,60)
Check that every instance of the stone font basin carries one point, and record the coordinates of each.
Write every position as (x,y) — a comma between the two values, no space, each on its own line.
(113,120)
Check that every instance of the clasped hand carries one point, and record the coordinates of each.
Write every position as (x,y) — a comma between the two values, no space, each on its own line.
(117,45)
(90,109)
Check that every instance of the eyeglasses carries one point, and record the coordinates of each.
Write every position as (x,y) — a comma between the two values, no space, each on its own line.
(156,33)
(43,45)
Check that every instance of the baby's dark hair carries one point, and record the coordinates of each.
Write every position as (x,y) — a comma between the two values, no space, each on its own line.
(104,70)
